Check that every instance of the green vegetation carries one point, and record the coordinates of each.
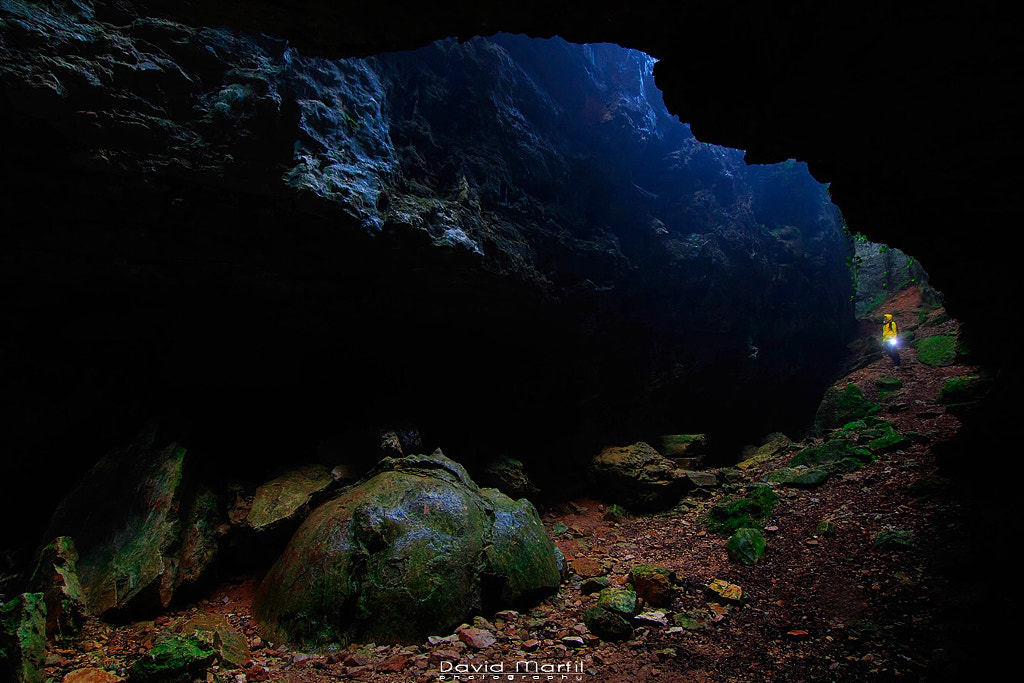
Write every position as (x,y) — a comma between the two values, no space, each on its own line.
(938,350)
(746,546)
(841,453)
(893,539)
(959,390)
(840,406)
(747,512)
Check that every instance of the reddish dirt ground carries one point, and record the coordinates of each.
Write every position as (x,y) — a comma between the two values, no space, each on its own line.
(819,607)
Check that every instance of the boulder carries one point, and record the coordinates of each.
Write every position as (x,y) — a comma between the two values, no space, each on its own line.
(746,546)
(612,617)
(287,496)
(508,475)
(800,476)
(413,549)
(144,527)
(636,476)
(653,584)
(519,554)
(174,657)
(23,639)
(56,578)
(686,450)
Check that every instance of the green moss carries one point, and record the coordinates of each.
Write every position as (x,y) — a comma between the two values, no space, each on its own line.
(746,546)
(893,539)
(832,451)
(750,511)
(938,350)
(175,657)
(840,406)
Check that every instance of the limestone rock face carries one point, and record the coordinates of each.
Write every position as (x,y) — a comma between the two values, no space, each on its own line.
(414,549)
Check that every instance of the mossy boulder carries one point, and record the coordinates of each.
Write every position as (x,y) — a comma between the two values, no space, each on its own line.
(23,639)
(606,624)
(841,405)
(938,350)
(637,476)
(771,446)
(174,657)
(801,476)
(287,495)
(231,647)
(520,558)
(56,578)
(737,512)
(143,524)
(830,453)
(414,549)
(958,391)
(892,538)
(746,546)
(508,475)
(612,617)
(653,584)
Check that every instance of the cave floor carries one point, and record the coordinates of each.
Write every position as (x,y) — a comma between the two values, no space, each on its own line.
(819,606)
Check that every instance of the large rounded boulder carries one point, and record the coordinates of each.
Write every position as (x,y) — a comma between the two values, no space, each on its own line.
(413,549)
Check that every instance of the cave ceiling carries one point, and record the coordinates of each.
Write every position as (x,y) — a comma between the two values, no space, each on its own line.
(908,111)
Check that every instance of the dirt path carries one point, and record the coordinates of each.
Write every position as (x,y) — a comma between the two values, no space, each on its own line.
(819,607)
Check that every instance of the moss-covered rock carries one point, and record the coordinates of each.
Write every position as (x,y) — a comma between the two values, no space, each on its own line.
(23,639)
(56,577)
(143,524)
(606,624)
(892,538)
(653,584)
(612,617)
(286,496)
(772,445)
(746,546)
(174,657)
(961,390)
(413,549)
(682,445)
(508,475)
(520,556)
(842,405)
(800,476)
(736,512)
(636,476)
(619,600)
(831,452)
(938,350)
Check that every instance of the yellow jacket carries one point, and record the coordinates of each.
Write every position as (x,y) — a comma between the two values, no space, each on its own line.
(888,328)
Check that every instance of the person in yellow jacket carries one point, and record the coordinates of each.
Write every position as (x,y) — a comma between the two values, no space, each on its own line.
(891,339)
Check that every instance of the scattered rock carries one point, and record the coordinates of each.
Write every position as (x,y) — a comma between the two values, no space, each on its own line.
(477,638)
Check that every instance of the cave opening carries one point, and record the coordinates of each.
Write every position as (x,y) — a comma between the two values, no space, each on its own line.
(507,241)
